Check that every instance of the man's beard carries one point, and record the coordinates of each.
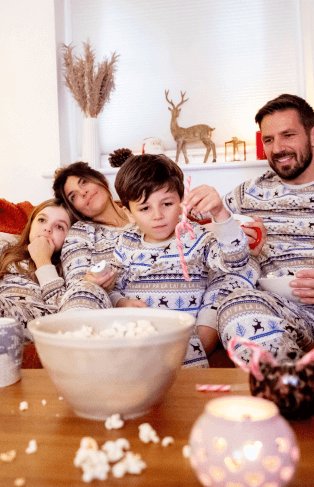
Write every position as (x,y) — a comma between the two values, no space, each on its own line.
(290,172)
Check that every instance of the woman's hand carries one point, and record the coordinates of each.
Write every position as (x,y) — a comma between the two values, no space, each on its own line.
(131,303)
(41,250)
(303,286)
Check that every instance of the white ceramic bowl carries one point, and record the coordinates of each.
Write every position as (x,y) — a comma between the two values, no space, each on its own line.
(103,376)
(278,285)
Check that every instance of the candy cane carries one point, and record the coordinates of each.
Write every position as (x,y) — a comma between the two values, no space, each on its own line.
(258,353)
(305,360)
(213,387)
(184,226)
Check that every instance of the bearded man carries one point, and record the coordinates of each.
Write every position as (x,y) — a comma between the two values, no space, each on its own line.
(284,198)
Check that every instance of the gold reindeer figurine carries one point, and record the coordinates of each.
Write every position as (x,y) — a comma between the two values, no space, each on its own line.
(195,133)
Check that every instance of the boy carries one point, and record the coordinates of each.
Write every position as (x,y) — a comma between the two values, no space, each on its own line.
(151,189)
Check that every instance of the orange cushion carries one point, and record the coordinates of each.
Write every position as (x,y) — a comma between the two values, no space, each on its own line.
(13,217)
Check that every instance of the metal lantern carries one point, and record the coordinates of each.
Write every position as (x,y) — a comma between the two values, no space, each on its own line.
(235,150)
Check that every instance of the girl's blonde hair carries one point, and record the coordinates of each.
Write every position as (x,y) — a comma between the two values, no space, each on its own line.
(15,254)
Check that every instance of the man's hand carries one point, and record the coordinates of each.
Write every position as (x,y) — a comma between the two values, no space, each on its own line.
(303,286)
(255,245)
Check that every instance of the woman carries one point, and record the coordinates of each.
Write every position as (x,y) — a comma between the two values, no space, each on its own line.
(30,272)
(92,238)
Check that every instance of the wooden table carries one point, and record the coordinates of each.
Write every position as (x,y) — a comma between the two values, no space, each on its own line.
(58,432)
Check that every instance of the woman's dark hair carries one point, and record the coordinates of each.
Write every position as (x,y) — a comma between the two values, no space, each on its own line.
(81,170)
(142,175)
(285,102)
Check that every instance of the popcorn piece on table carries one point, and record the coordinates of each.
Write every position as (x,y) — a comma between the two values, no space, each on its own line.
(147,433)
(132,463)
(19,482)
(43,402)
(115,450)
(93,462)
(8,456)
(167,440)
(23,406)
(31,447)
(186,451)
(114,422)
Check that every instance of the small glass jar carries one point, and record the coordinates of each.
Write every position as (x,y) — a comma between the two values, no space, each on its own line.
(242,441)
(11,351)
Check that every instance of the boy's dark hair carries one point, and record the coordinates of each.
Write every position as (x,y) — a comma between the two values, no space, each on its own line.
(140,176)
(285,102)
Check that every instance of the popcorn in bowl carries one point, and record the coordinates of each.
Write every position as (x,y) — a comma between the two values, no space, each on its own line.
(117,360)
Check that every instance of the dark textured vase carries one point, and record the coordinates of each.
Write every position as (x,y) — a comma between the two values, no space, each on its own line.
(290,389)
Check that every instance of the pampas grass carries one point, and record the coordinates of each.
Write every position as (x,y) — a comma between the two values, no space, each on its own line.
(90,85)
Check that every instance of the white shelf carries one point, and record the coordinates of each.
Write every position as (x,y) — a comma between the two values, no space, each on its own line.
(197,166)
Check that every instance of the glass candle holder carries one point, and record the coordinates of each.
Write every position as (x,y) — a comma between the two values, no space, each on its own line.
(242,441)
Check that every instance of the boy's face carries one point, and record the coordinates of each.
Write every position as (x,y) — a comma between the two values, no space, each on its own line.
(158,216)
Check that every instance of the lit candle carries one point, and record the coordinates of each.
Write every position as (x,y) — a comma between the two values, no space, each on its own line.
(242,441)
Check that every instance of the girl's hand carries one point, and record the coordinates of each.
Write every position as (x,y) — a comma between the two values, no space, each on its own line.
(41,250)
(130,303)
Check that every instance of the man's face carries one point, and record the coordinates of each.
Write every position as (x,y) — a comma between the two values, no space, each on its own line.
(288,147)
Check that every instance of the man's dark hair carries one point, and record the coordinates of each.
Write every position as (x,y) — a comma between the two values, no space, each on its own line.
(81,170)
(285,102)
(140,176)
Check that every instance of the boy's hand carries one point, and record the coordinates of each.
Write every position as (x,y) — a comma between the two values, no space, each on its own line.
(131,303)
(106,281)
(205,199)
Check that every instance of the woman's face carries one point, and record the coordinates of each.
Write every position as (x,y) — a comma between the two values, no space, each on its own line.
(88,198)
(53,223)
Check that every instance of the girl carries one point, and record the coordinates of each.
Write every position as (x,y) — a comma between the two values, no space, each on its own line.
(30,273)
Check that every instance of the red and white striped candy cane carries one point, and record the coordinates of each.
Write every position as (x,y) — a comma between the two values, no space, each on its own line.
(258,354)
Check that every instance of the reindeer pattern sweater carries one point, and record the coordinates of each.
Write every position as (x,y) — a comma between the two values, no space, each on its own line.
(152,271)
(288,214)
(24,299)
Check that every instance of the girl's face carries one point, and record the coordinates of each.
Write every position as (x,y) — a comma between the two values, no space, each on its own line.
(53,222)
(88,198)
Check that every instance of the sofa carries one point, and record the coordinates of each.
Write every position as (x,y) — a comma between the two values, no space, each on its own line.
(13,217)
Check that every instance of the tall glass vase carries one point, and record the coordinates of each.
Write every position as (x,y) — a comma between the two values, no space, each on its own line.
(90,142)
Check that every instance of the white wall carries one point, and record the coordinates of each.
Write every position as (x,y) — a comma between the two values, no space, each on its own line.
(29,132)
(37,131)
(230,56)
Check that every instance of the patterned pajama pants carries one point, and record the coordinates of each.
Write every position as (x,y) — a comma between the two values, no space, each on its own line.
(284,328)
